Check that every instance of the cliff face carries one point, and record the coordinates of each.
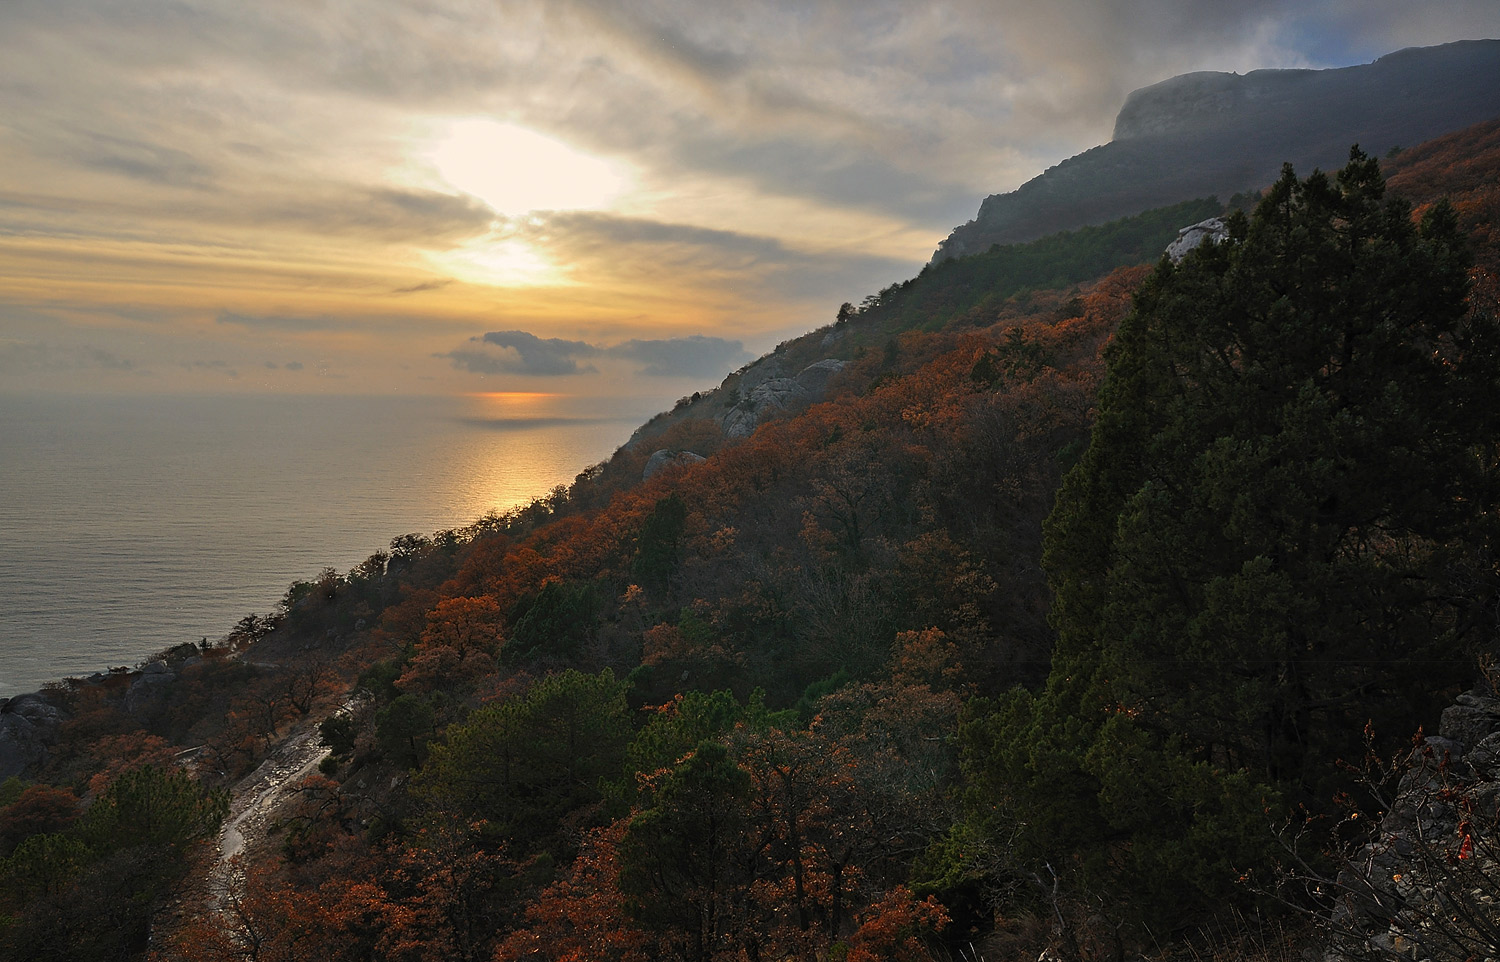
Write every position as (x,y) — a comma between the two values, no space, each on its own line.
(1195,101)
(1427,883)
(1208,133)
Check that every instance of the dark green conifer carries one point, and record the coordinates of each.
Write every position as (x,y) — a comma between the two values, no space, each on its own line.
(1257,554)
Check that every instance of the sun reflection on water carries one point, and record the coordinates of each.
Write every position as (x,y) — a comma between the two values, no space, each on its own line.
(527,442)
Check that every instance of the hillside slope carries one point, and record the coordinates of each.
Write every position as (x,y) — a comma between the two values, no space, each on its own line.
(737,709)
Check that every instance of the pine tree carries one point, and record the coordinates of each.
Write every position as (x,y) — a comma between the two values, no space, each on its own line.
(1258,553)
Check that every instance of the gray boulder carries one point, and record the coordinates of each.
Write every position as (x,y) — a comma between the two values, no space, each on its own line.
(759,371)
(1431,864)
(778,395)
(28,724)
(1213,230)
(815,377)
(771,397)
(37,709)
(663,459)
(1470,719)
(147,687)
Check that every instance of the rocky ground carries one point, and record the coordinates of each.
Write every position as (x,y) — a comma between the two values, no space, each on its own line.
(256,802)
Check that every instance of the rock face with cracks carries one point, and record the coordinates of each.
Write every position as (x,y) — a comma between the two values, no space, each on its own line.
(778,395)
(1210,231)
(28,725)
(664,459)
(1427,886)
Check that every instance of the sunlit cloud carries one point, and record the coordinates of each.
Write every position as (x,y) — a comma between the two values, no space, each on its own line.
(520,352)
(498,259)
(515,170)
(253,178)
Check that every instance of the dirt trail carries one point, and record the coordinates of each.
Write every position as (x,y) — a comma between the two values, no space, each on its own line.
(256,799)
(257,796)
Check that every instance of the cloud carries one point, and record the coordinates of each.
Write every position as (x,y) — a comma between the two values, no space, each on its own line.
(216,366)
(634,250)
(424,286)
(282,322)
(385,213)
(784,157)
(29,357)
(519,352)
(672,246)
(695,356)
(140,160)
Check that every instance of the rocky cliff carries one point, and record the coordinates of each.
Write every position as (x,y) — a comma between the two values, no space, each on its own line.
(1208,133)
(1426,883)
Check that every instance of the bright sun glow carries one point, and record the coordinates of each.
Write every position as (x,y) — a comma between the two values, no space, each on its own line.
(497,260)
(515,170)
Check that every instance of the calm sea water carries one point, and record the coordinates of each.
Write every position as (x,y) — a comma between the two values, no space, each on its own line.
(131,524)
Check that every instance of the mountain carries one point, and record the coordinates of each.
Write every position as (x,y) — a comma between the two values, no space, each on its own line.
(1211,133)
(809,695)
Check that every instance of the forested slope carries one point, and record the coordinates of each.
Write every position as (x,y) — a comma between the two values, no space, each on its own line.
(813,697)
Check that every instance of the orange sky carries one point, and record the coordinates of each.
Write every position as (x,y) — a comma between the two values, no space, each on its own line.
(570,196)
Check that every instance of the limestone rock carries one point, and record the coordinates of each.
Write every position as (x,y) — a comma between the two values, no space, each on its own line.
(770,397)
(147,687)
(815,377)
(758,372)
(1470,719)
(28,724)
(1484,757)
(1216,134)
(663,459)
(37,709)
(1431,863)
(20,748)
(777,395)
(1193,236)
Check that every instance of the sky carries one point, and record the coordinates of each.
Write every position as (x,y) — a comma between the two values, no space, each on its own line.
(572,196)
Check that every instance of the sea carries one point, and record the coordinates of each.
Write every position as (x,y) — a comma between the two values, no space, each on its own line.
(131,524)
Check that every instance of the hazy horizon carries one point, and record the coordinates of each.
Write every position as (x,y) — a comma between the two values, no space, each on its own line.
(150,521)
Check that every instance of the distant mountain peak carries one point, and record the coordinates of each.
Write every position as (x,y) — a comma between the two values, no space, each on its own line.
(1214,133)
(1199,99)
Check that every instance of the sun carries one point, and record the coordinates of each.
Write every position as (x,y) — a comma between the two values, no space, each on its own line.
(498,260)
(515,170)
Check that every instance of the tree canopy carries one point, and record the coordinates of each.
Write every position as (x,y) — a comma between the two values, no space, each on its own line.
(1270,538)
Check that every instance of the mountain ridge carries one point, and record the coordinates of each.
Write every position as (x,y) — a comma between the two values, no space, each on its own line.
(1211,133)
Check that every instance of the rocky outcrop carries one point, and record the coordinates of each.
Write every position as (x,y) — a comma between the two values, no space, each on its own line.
(1208,98)
(663,459)
(815,377)
(149,685)
(1193,236)
(766,387)
(1428,885)
(28,726)
(1217,134)
(778,395)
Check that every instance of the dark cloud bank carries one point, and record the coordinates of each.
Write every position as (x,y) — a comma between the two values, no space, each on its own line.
(520,352)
